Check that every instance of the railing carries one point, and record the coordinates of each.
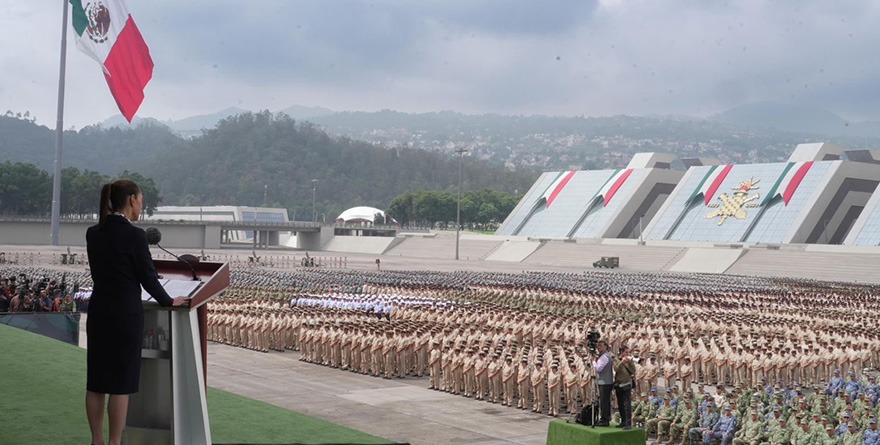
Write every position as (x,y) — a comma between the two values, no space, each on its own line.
(272,261)
(41,258)
(92,220)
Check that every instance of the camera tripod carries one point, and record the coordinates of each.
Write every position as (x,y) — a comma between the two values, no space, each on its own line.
(594,413)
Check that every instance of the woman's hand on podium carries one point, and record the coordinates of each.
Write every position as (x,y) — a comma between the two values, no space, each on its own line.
(180,301)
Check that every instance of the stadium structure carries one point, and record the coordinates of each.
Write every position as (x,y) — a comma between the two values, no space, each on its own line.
(813,198)
(816,197)
(596,203)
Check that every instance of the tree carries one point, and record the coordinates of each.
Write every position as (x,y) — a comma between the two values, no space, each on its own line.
(402,208)
(27,191)
(24,190)
(478,207)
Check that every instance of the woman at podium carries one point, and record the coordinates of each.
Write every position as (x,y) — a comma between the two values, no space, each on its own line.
(120,263)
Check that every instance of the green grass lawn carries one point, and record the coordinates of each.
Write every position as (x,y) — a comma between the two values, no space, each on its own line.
(42,393)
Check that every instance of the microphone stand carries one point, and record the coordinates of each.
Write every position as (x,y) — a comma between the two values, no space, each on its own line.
(191,268)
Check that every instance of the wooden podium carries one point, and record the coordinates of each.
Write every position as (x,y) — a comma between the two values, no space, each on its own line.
(171,405)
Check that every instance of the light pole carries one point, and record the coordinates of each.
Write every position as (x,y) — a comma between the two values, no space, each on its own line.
(641,239)
(461,152)
(314,188)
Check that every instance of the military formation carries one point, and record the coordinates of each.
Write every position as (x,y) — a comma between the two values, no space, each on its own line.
(519,340)
(787,356)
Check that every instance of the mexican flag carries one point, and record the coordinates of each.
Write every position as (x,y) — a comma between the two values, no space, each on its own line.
(107,33)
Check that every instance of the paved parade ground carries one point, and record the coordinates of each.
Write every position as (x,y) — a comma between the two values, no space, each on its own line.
(402,410)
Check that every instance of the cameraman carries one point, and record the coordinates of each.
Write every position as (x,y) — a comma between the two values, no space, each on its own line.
(604,367)
(623,384)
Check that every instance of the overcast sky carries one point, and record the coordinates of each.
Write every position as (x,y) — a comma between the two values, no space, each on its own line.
(560,57)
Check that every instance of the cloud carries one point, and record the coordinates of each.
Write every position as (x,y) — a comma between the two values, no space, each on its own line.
(507,56)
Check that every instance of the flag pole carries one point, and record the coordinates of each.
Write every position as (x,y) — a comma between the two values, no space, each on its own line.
(59,134)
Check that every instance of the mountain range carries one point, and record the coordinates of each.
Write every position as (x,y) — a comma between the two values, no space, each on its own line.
(193,125)
(778,116)
(795,117)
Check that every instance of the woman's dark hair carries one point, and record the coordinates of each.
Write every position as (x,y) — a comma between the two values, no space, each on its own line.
(113,196)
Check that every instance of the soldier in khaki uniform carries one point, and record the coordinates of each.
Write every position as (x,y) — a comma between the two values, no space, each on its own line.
(523,380)
(434,365)
(457,372)
(481,381)
(570,382)
(494,375)
(446,368)
(470,384)
(539,390)
(377,364)
(420,350)
(685,373)
(554,381)
(508,380)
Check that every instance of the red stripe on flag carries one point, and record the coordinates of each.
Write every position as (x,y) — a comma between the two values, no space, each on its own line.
(615,186)
(796,181)
(559,187)
(129,69)
(710,193)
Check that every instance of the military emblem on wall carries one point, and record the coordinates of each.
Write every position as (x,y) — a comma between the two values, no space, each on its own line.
(99,21)
(734,206)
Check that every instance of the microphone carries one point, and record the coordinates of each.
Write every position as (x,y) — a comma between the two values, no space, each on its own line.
(154,236)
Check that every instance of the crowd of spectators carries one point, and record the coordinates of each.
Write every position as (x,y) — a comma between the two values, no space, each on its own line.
(40,290)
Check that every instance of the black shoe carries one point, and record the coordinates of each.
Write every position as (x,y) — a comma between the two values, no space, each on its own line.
(603,424)
(627,427)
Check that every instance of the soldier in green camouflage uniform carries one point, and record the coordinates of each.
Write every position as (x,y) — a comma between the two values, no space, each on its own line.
(643,411)
(804,435)
(685,419)
(665,415)
(752,433)
(778,435)
(853,436)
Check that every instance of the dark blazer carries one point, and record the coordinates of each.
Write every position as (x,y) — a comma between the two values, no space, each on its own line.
(120,263)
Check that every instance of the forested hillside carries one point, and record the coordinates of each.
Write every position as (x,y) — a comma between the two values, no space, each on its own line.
(256,159)
(269,159)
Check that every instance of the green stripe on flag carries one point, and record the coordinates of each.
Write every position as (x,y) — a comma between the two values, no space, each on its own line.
(772,191)
(595,195)
(552,184)
(80,21)
(700,185)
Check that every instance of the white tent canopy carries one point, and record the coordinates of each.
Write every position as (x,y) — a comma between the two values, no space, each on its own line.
(360,214)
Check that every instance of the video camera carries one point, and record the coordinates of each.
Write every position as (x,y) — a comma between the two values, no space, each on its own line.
(593,341)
